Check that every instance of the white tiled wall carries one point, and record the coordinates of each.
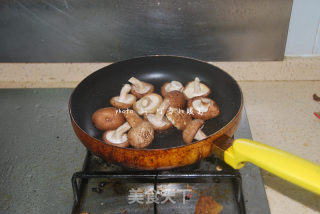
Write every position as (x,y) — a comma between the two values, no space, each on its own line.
(304,29)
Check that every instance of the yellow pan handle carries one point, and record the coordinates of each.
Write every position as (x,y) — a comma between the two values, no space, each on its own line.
(283,164)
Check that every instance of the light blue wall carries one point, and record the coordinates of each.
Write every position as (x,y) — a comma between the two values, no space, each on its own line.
(304,29)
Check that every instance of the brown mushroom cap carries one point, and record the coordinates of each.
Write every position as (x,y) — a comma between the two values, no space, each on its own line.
(148,104)
(171,86)
(107,118)
(203,108)
(140,88)
(141,135)
(178,117)
(191,130)
(176,99)
(132,117)
(196,89)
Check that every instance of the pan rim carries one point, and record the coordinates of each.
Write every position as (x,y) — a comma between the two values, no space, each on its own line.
(158,149)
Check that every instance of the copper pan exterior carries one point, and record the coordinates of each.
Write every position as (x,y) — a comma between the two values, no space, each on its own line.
(156,159)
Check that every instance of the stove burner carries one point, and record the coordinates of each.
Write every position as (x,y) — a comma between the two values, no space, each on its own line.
(114,182)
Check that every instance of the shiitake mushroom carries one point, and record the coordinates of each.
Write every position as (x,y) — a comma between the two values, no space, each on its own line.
(107,118)
(193,131)
(132,117)
(171,86)
(158,120)
(148,104)
(196,89)
(141,135)
(178,117)
(176,99)
(140,88)
(203,108)
(125,100)
(117,137)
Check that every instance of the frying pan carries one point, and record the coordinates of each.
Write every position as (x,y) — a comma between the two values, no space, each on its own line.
(168,150)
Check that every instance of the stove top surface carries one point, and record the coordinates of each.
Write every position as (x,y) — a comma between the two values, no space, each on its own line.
(40,152)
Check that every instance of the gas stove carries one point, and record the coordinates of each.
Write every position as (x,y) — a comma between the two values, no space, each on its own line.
(208,186)
(40,155)
(107,188)
(37,163)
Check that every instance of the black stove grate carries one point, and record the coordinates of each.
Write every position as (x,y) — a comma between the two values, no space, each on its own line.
(96,168)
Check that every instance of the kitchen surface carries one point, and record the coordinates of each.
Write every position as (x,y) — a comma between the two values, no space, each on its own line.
(279,109)
(271,48)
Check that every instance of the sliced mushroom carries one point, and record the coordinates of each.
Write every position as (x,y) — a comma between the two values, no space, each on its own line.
(176,99)
(171,86)
(196,89)
(203,108)
(132,118)
(158,120)
(140,88)
(125,100)
(178,117)
(148,104)
(141,135)
(193,131)
(107,118)
(117,137)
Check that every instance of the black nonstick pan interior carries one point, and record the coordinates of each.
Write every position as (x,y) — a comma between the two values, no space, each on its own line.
(97,89)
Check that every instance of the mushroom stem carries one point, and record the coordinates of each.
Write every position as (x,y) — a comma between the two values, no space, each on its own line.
(162,109)
(146,101)
(196,85)
(137,83)
(121,130)
(124,91)
(200,135)
(205,104)
(132,117)
(201,105)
